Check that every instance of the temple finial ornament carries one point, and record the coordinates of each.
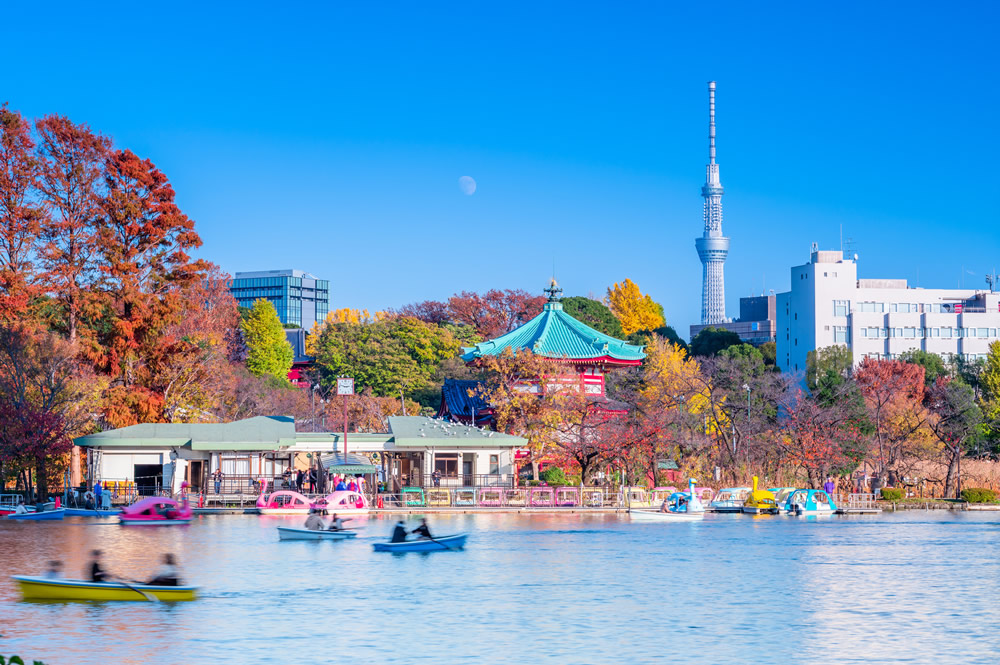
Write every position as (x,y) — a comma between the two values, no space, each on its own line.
(554,291)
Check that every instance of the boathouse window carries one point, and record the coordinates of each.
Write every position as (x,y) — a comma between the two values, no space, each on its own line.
(446,464)
(494,465)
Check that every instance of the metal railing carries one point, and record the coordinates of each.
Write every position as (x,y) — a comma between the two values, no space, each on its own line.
(501,497)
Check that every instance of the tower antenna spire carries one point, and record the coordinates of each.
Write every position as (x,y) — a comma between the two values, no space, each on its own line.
(711,122)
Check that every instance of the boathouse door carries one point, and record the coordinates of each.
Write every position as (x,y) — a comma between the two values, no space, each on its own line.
(194,475)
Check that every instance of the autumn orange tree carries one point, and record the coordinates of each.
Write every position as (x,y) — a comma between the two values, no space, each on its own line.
(894,396)
(142,247)
(20,219)
(525,393)
(71,162)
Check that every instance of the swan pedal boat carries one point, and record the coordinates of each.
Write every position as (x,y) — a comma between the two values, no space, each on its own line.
(147,512)
(657,516)
(56,514)
(453,542)
(282,502)
(43,588)
(289,533)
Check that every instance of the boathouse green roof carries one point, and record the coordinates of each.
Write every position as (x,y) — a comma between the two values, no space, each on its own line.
(556,334)
(259,433)
(265,433)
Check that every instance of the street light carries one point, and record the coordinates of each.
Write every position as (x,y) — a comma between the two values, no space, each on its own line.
(746,388)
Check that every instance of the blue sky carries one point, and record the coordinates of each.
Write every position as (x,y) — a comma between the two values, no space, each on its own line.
(331,138)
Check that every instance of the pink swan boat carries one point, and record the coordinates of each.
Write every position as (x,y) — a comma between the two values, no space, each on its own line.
(282,502)
(157,511)
(344,502)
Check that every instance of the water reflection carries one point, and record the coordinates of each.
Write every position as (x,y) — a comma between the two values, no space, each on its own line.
(591,589)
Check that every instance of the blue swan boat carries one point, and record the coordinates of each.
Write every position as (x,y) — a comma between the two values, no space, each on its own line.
(809,502)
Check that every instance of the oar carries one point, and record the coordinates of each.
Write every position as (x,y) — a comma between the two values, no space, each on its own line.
(148,596)
(441,544)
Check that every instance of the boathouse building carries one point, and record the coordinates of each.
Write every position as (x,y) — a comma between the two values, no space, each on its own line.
(157,456)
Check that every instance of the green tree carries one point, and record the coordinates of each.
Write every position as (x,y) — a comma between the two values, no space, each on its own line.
(770,352)
(828,368)
(746,352)
(595,314)
(389,355)
(711,340)
(268,351)
(932,363)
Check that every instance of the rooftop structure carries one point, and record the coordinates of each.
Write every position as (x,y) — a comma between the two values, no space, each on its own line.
(712,246)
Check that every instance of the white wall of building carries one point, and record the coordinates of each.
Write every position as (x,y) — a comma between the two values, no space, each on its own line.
(828,305)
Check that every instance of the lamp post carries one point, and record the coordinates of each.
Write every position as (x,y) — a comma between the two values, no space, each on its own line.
(747,388)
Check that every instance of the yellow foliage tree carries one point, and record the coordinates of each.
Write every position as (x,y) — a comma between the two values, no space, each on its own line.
(635,311)
(672,379)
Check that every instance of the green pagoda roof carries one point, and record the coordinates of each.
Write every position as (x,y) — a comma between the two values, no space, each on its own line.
(555,334)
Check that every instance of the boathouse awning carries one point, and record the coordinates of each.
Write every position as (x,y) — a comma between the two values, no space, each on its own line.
(270,433)
(336,463)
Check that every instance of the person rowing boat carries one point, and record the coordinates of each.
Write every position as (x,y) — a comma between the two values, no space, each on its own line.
(423,531)
(167,574)
(336,524)
(314,522)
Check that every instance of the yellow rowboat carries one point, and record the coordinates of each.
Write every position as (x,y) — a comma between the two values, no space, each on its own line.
(44,588)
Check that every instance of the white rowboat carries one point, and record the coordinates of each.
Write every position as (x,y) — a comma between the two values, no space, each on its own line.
(657,516)
(289,533)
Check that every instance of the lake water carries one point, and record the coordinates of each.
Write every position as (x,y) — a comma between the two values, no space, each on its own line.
(894,588)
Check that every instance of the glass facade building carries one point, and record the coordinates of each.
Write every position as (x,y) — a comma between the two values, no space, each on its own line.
(300,298)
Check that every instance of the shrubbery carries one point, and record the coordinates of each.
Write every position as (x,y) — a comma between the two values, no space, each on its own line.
(890,494)
(554,476)
(979,495)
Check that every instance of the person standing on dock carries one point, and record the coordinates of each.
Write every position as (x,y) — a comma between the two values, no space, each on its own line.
(217,477)
(829,486)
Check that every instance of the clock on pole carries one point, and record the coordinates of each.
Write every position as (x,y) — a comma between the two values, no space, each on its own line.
(345,386)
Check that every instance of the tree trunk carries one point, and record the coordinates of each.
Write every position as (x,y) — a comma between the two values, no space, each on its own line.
(41,479)
(949,479)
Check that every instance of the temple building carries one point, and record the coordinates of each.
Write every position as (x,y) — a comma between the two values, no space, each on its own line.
(585,354)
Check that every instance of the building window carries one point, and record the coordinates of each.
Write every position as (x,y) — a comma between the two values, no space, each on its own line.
(494,465)
(446,464)
(840,335)
(982,332)
(840,307)
(909,333)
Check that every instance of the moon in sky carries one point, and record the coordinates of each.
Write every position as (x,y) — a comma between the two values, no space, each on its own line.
(467,185)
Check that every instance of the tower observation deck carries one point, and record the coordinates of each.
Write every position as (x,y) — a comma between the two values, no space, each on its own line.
(712,246)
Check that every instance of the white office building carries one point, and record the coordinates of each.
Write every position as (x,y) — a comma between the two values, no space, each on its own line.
(878,318)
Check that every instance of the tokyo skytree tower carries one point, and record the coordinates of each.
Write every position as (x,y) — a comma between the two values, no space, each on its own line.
(712,246)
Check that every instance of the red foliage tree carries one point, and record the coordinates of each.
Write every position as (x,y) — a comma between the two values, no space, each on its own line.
(71,159)
(428,311)
(894,395)
(20,217)
(495,312)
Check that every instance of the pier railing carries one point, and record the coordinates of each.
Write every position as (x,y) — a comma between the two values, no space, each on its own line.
(859,501)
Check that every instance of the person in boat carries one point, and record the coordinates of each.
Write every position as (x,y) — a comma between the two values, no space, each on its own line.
(20,509)
(97,572)
(54,571)
(665,506)
(423,531)
(314,522)
(167,574)
(341,486)
(352,486)
(398,533)
(336,524)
